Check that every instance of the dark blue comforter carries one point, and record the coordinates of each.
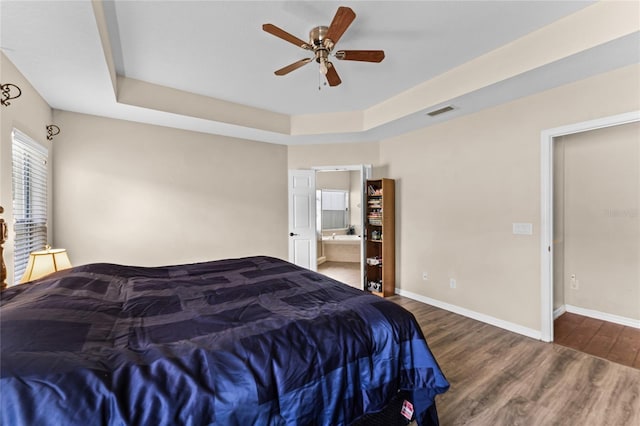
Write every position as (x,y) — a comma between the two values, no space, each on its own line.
(252,341)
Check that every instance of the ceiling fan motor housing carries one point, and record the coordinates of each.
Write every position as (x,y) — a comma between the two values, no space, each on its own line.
(321,46)
(317,35)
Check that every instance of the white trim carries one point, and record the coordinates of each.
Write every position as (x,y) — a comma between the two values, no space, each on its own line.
(546,205)
(349,168)
(509,326)
(603,316)
(561,310)
(546,237)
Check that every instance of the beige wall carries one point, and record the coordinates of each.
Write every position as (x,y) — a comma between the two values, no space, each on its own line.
(307,156)
(30,114)
(148,195)
(600,205)
(461,185)
(333,180)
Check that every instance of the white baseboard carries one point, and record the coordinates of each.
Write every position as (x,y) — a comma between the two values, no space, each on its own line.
(561,310)
(603,316)
(525,331)
(321,260)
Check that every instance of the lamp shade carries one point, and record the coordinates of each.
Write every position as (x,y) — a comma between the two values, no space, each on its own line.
(45,262)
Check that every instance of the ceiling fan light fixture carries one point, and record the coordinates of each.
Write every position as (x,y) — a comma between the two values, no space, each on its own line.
(322,57)
(323,66)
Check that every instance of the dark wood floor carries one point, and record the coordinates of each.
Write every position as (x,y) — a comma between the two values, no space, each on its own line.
(607,340)
(502,378)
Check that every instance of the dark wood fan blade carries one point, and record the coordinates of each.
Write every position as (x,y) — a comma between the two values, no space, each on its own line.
(280,33)
(341,21)
(294,66)
(361,55)
(332,75)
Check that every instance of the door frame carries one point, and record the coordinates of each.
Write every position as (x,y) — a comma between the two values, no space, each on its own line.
(546,203)
(365,173)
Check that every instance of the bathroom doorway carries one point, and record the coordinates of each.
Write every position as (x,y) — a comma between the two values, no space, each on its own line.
(339,222)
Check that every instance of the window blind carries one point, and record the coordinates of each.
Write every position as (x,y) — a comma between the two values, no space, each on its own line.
(29,184)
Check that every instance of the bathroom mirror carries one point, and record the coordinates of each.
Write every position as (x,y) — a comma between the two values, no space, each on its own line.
(335,209)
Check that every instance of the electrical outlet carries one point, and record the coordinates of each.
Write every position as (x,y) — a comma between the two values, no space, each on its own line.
(452,283)
(425,276)
(575,284)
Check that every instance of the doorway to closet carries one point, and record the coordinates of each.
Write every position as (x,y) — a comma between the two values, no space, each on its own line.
(597,236)
(591,238)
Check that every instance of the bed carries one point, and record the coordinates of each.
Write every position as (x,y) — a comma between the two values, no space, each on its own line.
(249,341)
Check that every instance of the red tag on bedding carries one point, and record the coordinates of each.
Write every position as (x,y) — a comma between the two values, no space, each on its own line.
(407,410)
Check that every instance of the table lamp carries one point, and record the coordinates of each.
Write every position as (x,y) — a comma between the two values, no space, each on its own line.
(45,262)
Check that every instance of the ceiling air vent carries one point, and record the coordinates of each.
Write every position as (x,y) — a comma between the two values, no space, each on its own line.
(440,111)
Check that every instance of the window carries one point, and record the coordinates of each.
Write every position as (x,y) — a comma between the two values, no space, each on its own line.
(29,185)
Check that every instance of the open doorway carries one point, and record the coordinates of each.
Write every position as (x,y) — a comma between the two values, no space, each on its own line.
(567,284)
(597,242)
(339,222)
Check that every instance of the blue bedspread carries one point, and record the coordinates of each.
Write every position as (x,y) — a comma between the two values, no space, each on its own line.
(252,341)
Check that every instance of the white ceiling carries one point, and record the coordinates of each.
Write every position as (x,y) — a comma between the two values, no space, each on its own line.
(218,49)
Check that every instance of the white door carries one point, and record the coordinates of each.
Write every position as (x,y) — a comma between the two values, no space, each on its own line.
(302,218)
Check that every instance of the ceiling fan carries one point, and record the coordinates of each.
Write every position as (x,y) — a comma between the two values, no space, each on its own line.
(322,40)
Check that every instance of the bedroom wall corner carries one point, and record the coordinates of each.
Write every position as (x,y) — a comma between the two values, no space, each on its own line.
(30,114)
(148,195)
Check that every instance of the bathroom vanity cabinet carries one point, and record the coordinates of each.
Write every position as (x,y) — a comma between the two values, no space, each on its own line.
(380,251)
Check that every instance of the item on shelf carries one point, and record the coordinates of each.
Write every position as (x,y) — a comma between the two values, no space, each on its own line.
(374,261)
(371,190)
(374,286)
(375,222)
(376,235)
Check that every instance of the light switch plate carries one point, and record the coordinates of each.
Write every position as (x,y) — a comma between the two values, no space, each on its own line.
(523,228)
